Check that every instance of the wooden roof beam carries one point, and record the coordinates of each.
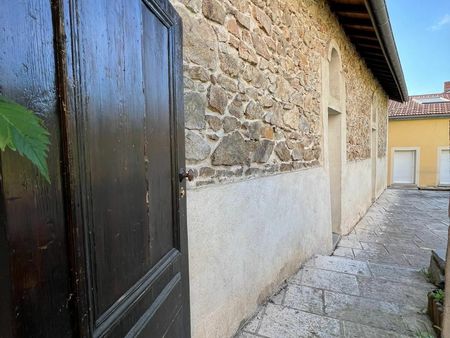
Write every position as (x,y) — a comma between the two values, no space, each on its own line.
(365,45)
(365,53)
(359,27)
(355,21)
(348,8)
(365,38)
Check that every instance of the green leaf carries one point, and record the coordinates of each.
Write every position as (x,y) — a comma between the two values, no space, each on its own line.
(5,135)
(22,131)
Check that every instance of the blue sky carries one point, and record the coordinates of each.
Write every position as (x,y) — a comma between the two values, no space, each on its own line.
(422,34)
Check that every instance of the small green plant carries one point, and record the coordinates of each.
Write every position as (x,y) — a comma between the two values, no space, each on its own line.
(21,130)
(438,295)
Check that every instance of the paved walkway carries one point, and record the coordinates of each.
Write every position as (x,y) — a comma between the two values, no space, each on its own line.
(373,285)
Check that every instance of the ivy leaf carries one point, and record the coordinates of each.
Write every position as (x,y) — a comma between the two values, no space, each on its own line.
(22,131)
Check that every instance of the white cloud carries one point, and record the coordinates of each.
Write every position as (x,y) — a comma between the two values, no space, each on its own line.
(441,23)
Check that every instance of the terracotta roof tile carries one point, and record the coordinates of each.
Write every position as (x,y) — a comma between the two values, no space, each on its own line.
(413,108)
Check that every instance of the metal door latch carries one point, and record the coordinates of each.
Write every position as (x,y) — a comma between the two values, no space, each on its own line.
(183,174)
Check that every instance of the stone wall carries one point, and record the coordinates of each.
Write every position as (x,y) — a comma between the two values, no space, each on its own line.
(382,126)
(253,87)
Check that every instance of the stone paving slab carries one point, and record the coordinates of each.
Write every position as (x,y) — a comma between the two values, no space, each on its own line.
(377,247)
(404,275)
(304,298)
(283,322)
(381,257)
(373,285)
(354,330)
(398,292)
(418,262)
(344,252)
(350,243)
(339,265)
(327,280)
(371,312)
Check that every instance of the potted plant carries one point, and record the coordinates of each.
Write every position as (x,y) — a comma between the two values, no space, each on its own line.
(436,308)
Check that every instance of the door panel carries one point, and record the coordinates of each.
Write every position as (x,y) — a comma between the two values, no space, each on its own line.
(444,167)
(114,145)
(34,267)
(125,64)
(158,125)
(404,166)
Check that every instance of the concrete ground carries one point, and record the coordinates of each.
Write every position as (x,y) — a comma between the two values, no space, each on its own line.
(373,285)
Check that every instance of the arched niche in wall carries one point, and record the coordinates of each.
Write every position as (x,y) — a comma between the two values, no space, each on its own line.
(334,96)
(335,81)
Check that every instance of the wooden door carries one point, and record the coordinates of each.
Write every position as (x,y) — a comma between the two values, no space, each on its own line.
(115,70)
(126,137)
(35,278)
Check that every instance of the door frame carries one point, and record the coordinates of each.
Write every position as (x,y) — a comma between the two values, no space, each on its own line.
(335,178)
(72,135)
(416,163)
(438,166)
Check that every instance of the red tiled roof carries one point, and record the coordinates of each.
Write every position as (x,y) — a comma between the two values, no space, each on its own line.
(412,108)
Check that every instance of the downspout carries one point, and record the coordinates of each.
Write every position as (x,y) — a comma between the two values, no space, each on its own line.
(379,15)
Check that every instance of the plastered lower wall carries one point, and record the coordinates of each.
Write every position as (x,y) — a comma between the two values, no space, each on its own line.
(246,237)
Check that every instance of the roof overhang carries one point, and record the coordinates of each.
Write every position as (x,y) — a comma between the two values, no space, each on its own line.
(366,23)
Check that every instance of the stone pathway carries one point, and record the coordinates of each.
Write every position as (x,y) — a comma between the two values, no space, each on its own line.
(372,286)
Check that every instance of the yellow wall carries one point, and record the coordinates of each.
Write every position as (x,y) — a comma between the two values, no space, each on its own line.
(425,134)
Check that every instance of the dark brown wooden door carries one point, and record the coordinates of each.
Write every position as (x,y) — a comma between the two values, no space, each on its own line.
(34,266)
(118,77)
(125,67)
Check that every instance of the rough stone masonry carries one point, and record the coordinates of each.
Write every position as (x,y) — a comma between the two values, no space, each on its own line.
(252,76)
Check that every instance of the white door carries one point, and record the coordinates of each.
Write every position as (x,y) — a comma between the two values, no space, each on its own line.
(444,167)
(404,166)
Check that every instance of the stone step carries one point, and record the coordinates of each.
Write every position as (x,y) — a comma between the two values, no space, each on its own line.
(339,264)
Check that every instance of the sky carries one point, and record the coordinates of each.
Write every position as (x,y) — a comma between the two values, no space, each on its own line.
(422,34)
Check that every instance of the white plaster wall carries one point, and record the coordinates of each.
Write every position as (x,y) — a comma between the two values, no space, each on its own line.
(382,171)
(246,237)
(356,192)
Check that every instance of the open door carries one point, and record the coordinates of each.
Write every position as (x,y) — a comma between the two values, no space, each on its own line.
(126,133)
(120,130)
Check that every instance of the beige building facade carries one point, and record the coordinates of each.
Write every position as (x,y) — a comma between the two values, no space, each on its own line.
(286,130)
